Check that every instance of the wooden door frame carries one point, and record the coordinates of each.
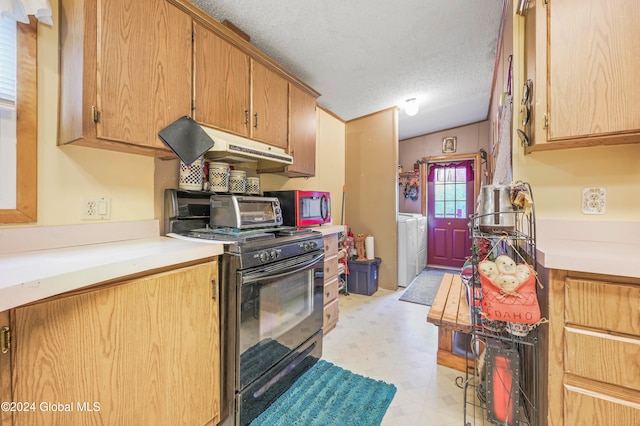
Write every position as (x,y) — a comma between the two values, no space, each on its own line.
(477,173)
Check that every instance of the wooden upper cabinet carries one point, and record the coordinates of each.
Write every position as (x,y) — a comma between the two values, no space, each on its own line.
(269,105)
(125,73)
(222,83)
(590,52)
(302,132)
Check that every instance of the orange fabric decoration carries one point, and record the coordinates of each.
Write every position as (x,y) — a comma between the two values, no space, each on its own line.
(519,305)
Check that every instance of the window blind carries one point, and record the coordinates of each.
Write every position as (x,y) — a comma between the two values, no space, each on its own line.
(7,62)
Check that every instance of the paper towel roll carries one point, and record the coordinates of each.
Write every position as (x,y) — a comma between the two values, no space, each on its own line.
(368,247)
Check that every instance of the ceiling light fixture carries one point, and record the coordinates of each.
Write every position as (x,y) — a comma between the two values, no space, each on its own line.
(411,107)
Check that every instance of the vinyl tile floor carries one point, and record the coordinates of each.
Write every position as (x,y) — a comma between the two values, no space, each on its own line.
(387,339)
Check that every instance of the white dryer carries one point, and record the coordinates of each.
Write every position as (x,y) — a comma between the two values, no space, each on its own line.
(407,249)
(421,261)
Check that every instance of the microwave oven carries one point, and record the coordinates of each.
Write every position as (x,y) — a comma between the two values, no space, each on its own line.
(303,208)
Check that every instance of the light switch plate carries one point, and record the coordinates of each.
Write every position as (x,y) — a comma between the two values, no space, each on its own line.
(594,200)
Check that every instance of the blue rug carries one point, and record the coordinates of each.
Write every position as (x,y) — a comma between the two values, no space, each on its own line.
(328,395)
(423,288)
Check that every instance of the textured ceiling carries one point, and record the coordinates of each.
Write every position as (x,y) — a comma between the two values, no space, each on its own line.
(364,56)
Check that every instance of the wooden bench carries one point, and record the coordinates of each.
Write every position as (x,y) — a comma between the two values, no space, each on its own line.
(450,312)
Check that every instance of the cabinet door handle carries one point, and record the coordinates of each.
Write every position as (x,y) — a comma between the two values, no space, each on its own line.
(246,117)
(255,122)
(5,339)
(214,286)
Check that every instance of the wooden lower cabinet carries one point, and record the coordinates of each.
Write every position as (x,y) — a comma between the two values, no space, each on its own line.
(5,374)
(330,282)
(593,350)
(143,352)
(592,408)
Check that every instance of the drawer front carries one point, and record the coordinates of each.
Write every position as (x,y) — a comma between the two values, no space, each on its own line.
(602,305)
(591,408)
(603,357)
(331,245)
(331,291)
(330,313)
(330,268)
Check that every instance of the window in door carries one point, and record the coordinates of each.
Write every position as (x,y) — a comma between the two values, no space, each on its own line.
(450,192)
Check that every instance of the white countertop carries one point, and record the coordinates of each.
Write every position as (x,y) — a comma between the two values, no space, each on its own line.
(595,247)
(28,276)
(329,229)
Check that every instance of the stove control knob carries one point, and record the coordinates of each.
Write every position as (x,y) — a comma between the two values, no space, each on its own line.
(273,254)
(306,246)
(264,256)
(313,245)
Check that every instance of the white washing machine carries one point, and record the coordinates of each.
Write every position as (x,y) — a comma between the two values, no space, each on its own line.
(407,249)
(421,240)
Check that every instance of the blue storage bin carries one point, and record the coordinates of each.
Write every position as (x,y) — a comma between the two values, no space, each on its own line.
(363,276)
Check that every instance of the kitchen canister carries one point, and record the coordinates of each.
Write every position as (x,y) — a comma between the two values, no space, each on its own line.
(218,177)
(253,185)
(238,181)
(495,210)
(191,175)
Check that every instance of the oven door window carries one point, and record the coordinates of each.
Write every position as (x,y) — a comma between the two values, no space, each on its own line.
(276,316)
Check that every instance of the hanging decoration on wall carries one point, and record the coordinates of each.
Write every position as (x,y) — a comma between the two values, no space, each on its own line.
(411,189)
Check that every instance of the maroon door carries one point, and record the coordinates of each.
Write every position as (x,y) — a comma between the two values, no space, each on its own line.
(449,203)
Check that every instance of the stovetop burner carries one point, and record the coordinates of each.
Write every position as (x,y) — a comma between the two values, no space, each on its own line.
(246,235)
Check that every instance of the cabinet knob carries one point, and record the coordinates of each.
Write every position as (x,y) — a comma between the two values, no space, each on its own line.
(328,293)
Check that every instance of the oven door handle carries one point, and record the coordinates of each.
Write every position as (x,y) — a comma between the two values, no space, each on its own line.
(298,268)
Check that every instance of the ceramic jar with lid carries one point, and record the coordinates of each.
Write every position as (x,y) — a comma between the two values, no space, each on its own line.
(218,177)
(190,177)
(238,181)
(253,185)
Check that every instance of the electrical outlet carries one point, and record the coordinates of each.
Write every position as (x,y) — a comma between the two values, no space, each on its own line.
(96,208)
(594,200)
